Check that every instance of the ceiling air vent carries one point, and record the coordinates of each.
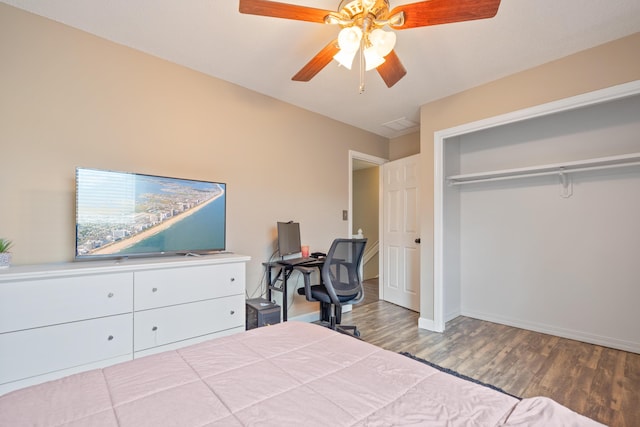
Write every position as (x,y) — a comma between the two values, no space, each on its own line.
(401,124)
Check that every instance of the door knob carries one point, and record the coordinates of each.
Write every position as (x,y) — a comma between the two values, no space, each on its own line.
(417,240)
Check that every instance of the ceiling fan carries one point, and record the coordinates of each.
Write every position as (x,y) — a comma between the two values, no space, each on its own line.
(362,22)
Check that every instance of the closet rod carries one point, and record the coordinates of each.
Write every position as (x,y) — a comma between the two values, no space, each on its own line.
(559,171)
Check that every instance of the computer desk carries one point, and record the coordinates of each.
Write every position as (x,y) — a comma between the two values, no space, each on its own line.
(278,281)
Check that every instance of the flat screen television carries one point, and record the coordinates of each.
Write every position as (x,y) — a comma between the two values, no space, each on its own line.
(122,214)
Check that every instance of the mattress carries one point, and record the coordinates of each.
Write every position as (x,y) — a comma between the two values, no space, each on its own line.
(289,374)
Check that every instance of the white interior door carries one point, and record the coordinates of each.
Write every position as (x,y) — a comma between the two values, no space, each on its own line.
(401,249)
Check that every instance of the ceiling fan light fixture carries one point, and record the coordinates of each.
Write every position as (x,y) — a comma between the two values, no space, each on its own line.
(382,41)
(349,38)
(372,58)
(345,58)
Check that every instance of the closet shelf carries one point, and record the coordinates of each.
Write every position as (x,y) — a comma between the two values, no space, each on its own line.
(631,159)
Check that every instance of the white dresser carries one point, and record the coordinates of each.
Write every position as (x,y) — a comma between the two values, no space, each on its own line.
(60,319)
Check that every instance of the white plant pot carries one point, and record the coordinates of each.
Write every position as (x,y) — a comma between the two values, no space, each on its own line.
(5,260)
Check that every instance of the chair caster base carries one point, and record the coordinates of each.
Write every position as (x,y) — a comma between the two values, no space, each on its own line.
(352,331)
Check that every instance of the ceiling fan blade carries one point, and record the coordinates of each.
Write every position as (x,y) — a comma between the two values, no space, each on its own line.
(317,63)
(435,12)
(391,69)
(283,10)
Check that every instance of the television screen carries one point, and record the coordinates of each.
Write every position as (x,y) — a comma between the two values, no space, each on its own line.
(289,238)
(121,214)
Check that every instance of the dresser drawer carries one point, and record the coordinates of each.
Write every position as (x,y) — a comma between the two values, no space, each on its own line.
(159,288)
(180,322)
(33,303)
(190,341)
(39,351)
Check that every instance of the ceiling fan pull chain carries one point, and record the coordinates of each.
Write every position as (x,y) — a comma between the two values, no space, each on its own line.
(363,44)
(362,65)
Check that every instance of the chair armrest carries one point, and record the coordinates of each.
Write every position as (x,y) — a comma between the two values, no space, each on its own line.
(304,270)
(306,274)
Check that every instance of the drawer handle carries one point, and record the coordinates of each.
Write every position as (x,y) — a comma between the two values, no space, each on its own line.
(110,295)
(155,328)
(233,279)
(232,312)
(154,290)
(110,338)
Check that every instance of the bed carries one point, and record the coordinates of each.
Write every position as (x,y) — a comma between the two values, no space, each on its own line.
(289,374)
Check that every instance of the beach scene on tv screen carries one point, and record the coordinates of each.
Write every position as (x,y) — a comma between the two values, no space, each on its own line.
(126,214)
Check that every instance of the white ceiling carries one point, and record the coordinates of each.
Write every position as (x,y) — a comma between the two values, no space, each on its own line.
(262,53)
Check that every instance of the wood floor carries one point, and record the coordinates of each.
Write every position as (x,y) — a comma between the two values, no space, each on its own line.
(599,382)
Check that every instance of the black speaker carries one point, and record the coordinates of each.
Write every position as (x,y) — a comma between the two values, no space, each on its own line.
(261,312)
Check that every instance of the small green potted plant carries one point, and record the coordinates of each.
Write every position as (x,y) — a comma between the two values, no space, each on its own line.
(5,255)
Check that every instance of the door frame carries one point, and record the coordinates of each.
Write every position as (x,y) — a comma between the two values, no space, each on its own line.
(379,161)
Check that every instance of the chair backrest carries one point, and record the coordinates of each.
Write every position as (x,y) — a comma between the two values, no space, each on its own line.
(341,271)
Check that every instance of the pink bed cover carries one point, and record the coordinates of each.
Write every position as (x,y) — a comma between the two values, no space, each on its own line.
(290,374)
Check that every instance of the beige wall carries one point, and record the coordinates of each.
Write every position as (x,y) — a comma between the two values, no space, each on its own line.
(71,99)
(366,192)
(404,146)
(597,68)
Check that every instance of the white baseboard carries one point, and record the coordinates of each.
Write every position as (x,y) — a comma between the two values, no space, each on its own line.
(633,347)
(451,315)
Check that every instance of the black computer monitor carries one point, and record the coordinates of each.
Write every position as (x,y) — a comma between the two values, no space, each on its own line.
(289,238)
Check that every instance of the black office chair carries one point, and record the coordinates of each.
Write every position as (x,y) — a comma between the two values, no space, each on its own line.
(341,282)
